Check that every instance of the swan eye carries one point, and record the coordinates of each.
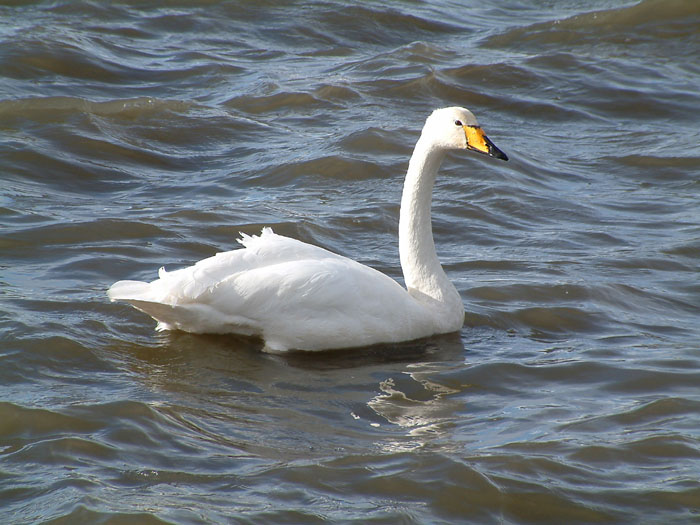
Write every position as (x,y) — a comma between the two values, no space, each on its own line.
(458,122)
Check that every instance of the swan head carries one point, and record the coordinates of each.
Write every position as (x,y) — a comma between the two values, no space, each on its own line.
(457,128)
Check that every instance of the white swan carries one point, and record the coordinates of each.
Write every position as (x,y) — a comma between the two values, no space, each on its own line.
(297,296)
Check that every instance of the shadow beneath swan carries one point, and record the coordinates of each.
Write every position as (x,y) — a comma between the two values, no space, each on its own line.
(447,347)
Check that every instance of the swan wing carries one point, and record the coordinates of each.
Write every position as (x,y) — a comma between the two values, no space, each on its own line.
(186,284)
(316,304)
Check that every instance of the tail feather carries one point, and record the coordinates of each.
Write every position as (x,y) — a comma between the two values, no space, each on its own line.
(129,290)
(190,317)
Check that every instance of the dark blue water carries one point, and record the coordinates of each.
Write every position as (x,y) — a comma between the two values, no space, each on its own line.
(134,136)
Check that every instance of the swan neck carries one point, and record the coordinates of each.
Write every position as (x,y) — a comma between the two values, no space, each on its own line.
(422,271)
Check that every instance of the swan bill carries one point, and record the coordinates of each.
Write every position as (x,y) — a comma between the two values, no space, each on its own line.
(479,142)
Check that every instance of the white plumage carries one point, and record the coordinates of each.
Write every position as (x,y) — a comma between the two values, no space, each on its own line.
(297,296)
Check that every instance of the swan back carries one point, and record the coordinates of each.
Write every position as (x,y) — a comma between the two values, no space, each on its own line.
(291,294)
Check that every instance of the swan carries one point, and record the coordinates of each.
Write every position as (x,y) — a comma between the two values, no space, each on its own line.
(296,296)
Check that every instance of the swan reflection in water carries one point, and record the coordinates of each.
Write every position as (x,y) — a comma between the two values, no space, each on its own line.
(401,396)
(416,401)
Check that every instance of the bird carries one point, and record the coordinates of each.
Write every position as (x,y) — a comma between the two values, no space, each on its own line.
(297,296)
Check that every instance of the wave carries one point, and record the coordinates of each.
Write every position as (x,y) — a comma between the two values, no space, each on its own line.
(646,21)
(47,109)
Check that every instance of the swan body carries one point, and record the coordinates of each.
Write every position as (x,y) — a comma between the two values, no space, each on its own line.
(298,296)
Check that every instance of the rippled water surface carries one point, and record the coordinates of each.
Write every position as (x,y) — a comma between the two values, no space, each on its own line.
(140,134)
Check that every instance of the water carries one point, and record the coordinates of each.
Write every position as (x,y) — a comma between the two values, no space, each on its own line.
(135,136)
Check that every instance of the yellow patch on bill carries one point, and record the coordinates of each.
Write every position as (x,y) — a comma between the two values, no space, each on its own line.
(476,138)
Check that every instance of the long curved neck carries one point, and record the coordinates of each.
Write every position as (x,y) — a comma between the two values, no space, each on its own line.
(422,271)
